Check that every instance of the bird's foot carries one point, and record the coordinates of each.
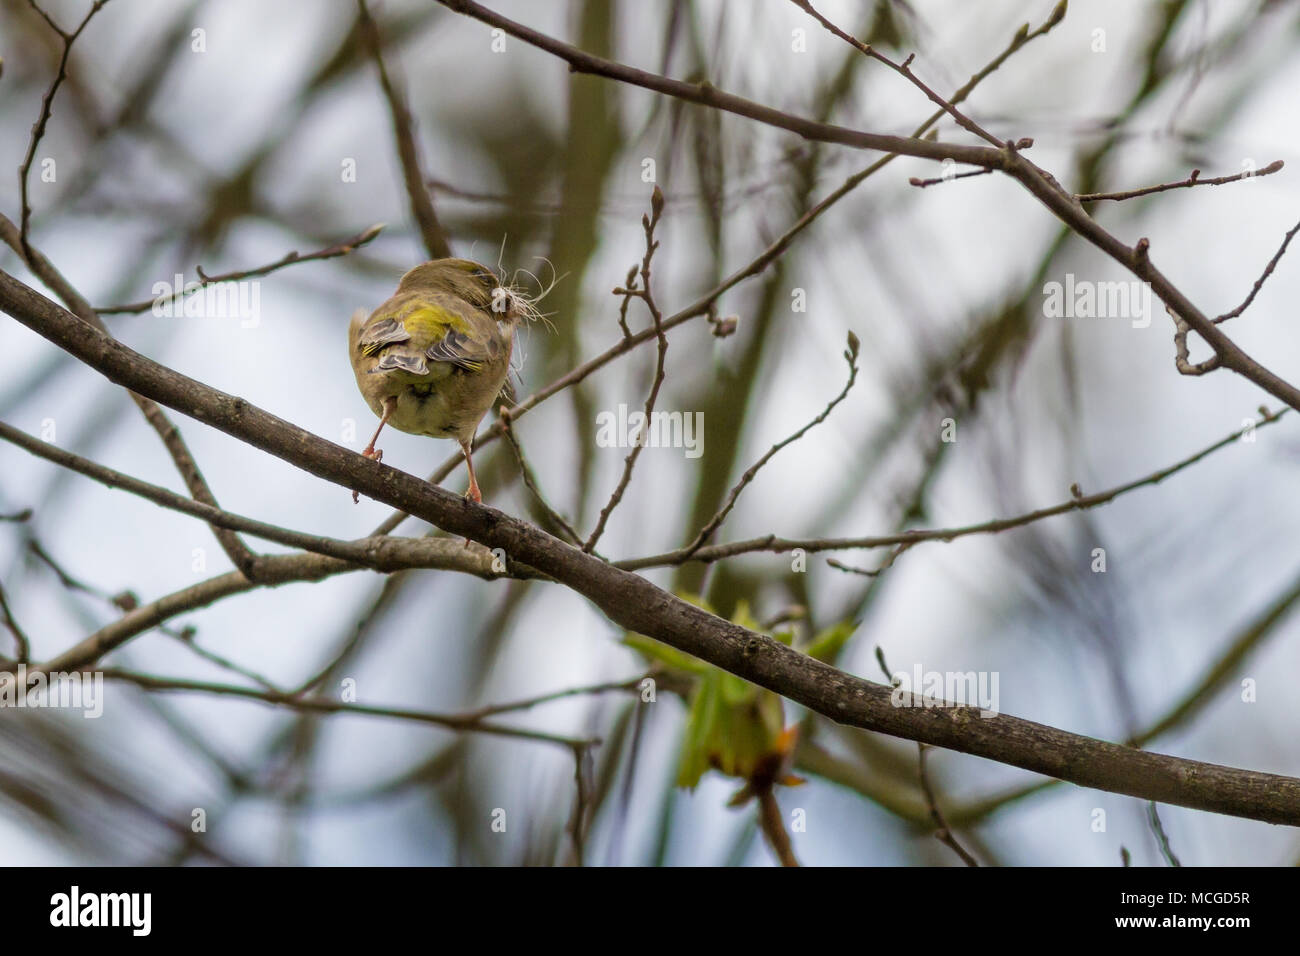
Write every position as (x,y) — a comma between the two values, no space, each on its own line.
(476,496)
(373,453)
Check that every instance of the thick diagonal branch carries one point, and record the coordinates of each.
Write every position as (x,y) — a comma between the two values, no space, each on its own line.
(636,604)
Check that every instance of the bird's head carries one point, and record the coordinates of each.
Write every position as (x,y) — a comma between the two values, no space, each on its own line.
(472,281)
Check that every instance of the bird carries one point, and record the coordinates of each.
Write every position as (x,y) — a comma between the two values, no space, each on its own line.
(433,357)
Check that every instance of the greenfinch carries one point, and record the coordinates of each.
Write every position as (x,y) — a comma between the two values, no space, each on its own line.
(433,358)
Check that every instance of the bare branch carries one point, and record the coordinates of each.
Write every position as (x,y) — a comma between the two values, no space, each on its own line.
(431,230)
(706,94)
(1217,676)
(379,553)
(1259,283)
(940,180)
(1193,180)
(905,69)
(639,606)
(325,705)
(528,703)
(47,106)
(578,819)
(332,251)
(706,304)
(530,482)
(1041,184)
(20,638)
(850,356)
(771,543)
(235,549)
(186,638)
(942,832)
(121,601)
(644,293)
(1162,839)
(888,563)
(773,826)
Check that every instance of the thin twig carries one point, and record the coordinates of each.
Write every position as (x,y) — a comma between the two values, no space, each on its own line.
(186,638)
(942,832)
(851,356)
(1162,839)
(905,69)
(530,482)
(361,628)
(239,554)
(705,93)
(529,702)
(122,601)
(581,803)
(1259,283)
(48,19)
(1224,670)
(628,292)
(431,230)
(939,180)
(65,579)
(772,824)
(1007,158)
(342,248)
(1193,180)
(1226,666)
(874,573)
(707,303)
(459,722)
(20,638)
(47,106)
(379,553)
(644,293)
(772,543)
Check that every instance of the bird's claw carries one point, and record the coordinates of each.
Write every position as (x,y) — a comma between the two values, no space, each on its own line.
(374,454)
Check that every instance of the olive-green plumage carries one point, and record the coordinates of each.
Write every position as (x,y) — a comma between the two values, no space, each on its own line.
(431,359)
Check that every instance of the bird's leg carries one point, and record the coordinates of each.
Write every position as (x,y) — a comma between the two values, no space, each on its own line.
(390,406)
(473,491)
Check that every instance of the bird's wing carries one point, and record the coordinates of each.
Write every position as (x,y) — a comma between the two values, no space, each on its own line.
(448,334)
(377,334)
(410,331)
(388,338)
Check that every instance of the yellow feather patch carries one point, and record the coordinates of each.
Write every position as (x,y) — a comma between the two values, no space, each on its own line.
(430,323)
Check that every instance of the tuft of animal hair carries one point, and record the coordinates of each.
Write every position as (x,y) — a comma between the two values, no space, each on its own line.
(528,303)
